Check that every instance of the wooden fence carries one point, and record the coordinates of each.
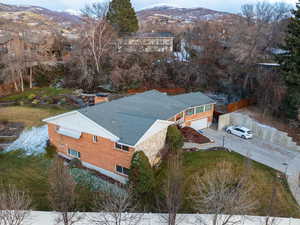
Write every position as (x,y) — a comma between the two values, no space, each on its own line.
(166,90)
(239,105)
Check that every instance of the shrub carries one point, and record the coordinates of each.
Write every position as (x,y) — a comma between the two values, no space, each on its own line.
(141,179)
(31,96)
(36,102)
(50,151)
(75,163)
(174,138)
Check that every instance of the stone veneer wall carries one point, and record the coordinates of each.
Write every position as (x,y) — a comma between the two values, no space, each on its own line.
(152,146)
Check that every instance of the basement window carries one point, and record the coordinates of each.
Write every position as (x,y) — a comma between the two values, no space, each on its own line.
(122,147)
(74,153)
(122,170)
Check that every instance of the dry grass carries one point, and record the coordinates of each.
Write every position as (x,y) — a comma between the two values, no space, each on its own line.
(263,177)
(27,115)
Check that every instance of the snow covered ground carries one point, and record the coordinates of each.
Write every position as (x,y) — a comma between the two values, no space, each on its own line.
(33,141)
(48,218)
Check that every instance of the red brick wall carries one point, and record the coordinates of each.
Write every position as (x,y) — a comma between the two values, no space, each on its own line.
(101,154)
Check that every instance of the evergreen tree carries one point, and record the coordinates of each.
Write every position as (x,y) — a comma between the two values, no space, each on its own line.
(174,139)
(141,179)
(290,63)
(122,16)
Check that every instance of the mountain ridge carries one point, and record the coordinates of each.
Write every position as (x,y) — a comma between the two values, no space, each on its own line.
(165,14)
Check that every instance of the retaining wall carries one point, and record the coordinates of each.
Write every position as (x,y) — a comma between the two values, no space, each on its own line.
(49,218)
(264,132)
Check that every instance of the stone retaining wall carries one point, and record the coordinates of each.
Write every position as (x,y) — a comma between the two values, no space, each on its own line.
(260,131)
(264,132)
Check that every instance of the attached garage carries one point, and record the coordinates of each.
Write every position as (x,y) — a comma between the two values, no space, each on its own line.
(200,124)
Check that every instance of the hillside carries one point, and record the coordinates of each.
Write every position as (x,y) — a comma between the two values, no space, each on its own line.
(166,14)
(13,18)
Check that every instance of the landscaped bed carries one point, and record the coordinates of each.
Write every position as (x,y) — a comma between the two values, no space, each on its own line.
(42,97)
(191,135)
(8,129)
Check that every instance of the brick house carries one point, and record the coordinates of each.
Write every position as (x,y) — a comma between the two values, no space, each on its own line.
(105,136)
(147,42)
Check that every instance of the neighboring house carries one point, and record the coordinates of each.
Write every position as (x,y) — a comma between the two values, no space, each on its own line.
(147,42)
(105,136)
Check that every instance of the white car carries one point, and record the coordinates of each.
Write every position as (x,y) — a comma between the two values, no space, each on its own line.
(242,132)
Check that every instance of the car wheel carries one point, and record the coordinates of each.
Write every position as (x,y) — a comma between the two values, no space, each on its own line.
(229,131)
(243,137)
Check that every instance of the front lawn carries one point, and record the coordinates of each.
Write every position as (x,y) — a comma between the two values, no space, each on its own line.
(30,173)
(264,178)
(29,116)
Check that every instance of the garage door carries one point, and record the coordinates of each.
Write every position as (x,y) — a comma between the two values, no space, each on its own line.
(200,124)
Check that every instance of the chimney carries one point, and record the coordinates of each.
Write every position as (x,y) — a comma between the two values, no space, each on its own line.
(100,98)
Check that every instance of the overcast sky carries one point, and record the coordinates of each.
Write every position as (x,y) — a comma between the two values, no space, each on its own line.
(222,5)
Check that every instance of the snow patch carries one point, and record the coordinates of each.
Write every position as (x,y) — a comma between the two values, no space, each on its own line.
(33,141)
(73,12)
(162,5)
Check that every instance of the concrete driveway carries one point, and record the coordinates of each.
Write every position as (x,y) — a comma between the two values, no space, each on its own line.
(274,156)
(256,149)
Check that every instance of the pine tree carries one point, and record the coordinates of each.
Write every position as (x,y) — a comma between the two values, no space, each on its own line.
(290,63)
(141,179)
(122,16)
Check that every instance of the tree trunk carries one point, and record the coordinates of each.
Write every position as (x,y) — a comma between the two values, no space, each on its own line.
(172,218)
(30,77)
(21,81)
(16,86)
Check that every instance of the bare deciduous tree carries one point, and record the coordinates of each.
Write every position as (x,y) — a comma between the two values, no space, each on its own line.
(14,206)
(223,193)
(174,188)
(94,46)
(116,207)
(267,96)
(62,193)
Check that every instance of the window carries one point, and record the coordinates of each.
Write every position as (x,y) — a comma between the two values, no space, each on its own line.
(95,139)
(122,147)
(239,130)
(200,109)
(74,153)
(123,170)
(190,112)
(208,108)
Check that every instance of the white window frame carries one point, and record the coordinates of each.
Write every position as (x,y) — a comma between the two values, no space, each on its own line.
(121,149)
(188,110)
(122,170)
(209,105)
(78,154)
(203,109)
(95,139)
